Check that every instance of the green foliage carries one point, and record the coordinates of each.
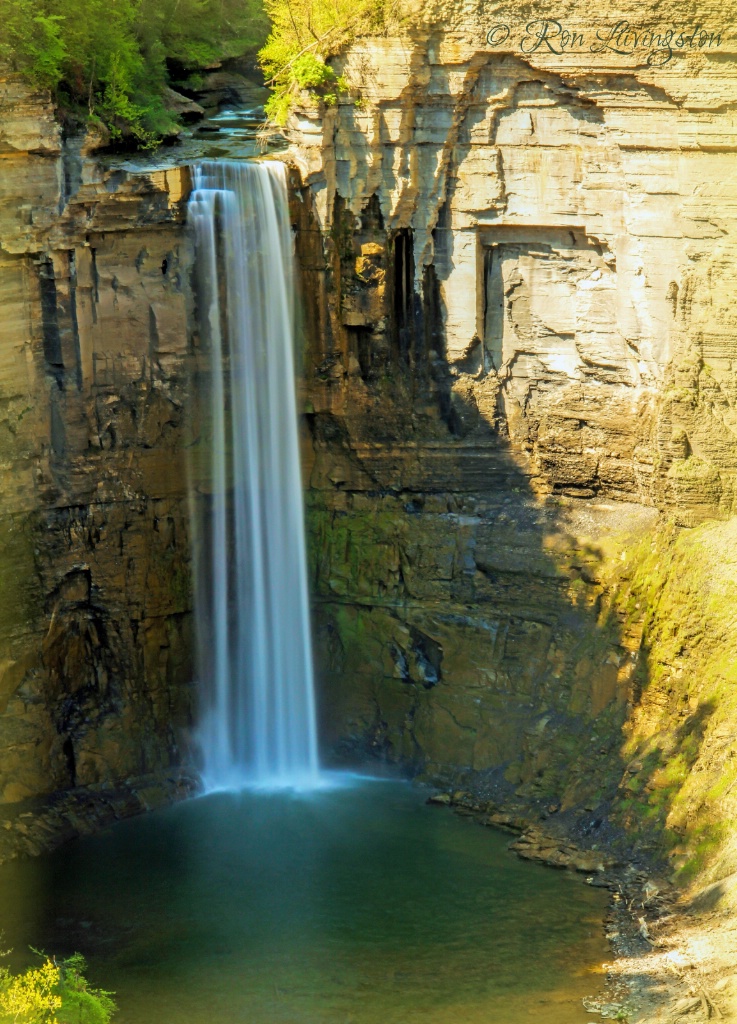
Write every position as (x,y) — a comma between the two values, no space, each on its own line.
(312,73)
(32,997)
(48,51)
(54,993)
(112,58)
(680,790)
(81,1004)
(304,34)
(308,73)
(279,105)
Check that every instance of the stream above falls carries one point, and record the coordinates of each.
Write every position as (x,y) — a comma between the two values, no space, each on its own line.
(359,904)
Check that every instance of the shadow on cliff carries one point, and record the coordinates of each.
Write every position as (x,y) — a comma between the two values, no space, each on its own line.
(441,578)
(471,626)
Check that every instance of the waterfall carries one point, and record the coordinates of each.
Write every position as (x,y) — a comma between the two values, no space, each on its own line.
(255,655)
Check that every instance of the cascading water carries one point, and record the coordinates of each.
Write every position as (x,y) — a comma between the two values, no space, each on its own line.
(258,726)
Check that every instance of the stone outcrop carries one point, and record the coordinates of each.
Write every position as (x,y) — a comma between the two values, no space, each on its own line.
(95,605)
(565,224)
(518,250)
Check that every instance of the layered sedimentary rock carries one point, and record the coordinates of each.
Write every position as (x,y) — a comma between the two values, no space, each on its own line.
(516,258)
(518,240)
(95,669)
(570,220)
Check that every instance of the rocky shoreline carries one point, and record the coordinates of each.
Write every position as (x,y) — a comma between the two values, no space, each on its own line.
(661,973)
(673,951)
(31,828)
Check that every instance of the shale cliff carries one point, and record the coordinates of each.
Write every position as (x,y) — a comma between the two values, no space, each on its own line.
(517,240)
(518,236)
(95,662)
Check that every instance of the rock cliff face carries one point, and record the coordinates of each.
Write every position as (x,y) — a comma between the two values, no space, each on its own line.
(518,244)
(517,261)
(95,604)
(565,224)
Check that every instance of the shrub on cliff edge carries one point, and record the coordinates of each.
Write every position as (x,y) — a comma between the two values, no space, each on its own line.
(304,34)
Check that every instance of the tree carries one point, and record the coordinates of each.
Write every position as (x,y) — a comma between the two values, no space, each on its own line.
(304,34)
(111,59)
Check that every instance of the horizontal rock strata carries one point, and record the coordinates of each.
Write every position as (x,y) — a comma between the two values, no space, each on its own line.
(518,261)
(95,609)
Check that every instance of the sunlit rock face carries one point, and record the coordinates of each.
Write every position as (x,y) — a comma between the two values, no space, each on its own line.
(519,266)
(94,553)
(572,225)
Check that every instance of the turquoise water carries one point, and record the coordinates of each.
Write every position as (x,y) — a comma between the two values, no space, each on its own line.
(359,905)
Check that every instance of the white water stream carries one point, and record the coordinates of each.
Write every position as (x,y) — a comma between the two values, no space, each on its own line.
(258,723)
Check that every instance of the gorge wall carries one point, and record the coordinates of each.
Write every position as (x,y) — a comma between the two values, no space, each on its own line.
(518,243)
(520,436)
(95,624)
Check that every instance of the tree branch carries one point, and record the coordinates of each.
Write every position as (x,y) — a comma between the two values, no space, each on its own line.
(311,46)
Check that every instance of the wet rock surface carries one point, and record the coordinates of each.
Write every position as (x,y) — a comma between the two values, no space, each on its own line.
(674,953)
(30,828)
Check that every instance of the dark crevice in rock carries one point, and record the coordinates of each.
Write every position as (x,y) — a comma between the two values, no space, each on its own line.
(50,322)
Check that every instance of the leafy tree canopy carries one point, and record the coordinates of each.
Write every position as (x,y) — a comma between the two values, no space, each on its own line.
(112,58)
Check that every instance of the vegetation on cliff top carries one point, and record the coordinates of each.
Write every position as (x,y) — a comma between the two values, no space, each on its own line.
(112,59)
(304,34)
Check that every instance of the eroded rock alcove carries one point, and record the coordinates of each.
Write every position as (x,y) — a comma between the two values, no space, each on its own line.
(518,274)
